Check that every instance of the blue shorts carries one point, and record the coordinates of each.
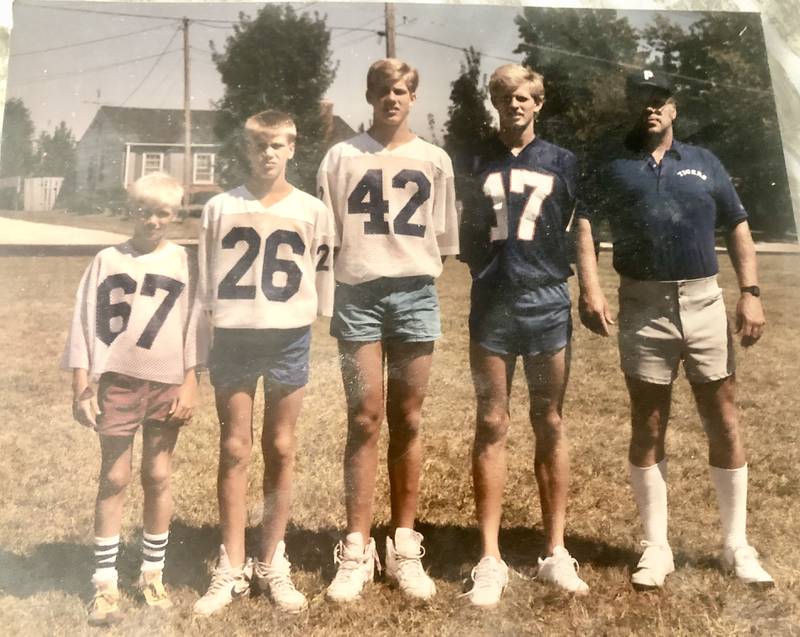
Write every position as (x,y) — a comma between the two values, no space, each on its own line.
(402,309)
(520,321)
(240,356)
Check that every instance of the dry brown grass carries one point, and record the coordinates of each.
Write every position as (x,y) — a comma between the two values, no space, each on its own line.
(49,469)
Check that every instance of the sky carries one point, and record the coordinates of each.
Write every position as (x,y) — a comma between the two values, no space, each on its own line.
(67,58)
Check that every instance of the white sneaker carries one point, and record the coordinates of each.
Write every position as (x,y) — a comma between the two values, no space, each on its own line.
(404,564)
(274,579)
(227,584)
(743,561)
(561,569)
(356,568)
(653,567)
(490,578)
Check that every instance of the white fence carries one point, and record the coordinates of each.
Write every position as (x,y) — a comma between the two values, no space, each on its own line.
(41,192)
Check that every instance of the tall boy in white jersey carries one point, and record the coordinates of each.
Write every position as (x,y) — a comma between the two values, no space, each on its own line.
(265,274)
(133,330)
(514,240)
(394,205)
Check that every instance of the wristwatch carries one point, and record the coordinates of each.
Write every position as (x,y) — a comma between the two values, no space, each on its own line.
(752,289)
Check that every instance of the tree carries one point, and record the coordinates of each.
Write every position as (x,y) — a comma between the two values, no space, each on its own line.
(278,60)
(55,154)
(584,56)
(16,152)
(725,103)
(469,123)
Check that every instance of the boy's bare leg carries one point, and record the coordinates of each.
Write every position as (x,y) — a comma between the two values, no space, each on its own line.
(362,375)
(235,411)
(547,381)
(158,444)
(281,411)
(409,366)
(115,475)
(492,375)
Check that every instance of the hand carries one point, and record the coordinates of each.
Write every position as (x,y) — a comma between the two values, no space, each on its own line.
(84,409)
(750,319)
(182,408)
(594,313)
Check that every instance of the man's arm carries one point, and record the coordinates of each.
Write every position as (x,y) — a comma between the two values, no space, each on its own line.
(84,410)
(592,304)
(750,319)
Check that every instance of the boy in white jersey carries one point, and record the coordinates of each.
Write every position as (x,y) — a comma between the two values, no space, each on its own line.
(394,204)
(265,274)
(133,330)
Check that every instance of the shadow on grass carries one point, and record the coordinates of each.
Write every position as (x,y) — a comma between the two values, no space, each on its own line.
(452,551)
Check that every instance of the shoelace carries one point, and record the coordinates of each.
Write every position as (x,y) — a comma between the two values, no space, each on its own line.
(219,580)
(485,577)
(279,577)
(644,561)
(565,567)
(348,566)
(157,590)
(410,565)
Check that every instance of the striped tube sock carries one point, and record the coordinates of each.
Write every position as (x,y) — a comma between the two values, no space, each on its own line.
(154,548)
(105,558)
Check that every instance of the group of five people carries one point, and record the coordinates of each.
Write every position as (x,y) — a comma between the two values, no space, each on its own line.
(367,252)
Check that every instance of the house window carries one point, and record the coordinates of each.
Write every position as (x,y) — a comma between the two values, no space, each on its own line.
(203,168)
(152,163)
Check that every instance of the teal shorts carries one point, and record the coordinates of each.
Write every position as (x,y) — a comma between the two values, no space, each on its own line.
(404,309)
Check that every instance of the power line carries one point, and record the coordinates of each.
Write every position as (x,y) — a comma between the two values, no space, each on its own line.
(76,44)
(152,68)
(92,69)
(118,13)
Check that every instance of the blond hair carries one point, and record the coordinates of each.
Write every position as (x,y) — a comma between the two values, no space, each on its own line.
(157,188)
(389,71)
(271,120)
(509,77)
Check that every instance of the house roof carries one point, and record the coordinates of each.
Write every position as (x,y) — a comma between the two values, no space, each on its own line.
(159,125)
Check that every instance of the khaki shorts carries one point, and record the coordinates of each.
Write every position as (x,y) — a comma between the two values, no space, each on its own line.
(664,322)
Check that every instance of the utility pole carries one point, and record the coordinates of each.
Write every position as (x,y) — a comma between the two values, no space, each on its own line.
(187,120)
(390,48)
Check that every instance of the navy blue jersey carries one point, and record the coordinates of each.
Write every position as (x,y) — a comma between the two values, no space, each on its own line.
(663,216)
(514,224)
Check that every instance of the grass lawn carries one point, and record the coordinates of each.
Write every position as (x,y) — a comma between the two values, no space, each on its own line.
(50,464)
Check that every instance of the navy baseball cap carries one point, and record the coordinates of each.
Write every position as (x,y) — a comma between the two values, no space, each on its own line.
(649,78)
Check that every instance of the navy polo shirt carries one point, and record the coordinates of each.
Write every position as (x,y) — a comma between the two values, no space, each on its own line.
(663,216)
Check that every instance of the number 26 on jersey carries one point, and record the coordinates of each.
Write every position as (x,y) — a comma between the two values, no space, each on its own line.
(540,185)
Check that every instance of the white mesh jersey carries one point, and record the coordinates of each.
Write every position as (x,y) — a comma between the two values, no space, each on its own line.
(266,268)
(394,209)
(133,315)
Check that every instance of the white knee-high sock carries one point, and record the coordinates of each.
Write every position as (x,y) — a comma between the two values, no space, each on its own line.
(649,485)
(731,487)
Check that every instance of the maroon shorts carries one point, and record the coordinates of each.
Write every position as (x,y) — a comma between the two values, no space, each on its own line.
(126,402)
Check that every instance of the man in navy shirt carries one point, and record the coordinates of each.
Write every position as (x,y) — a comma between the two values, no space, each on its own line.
(663,200)
(514,240)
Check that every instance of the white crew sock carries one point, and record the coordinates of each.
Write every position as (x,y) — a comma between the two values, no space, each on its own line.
(154,549)
(731,487)
(105,559)
(354,542)
(649,485)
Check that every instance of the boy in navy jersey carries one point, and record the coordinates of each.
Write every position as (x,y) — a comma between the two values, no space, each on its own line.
(134,331)
(514,241)
(663,200)
(265,275)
